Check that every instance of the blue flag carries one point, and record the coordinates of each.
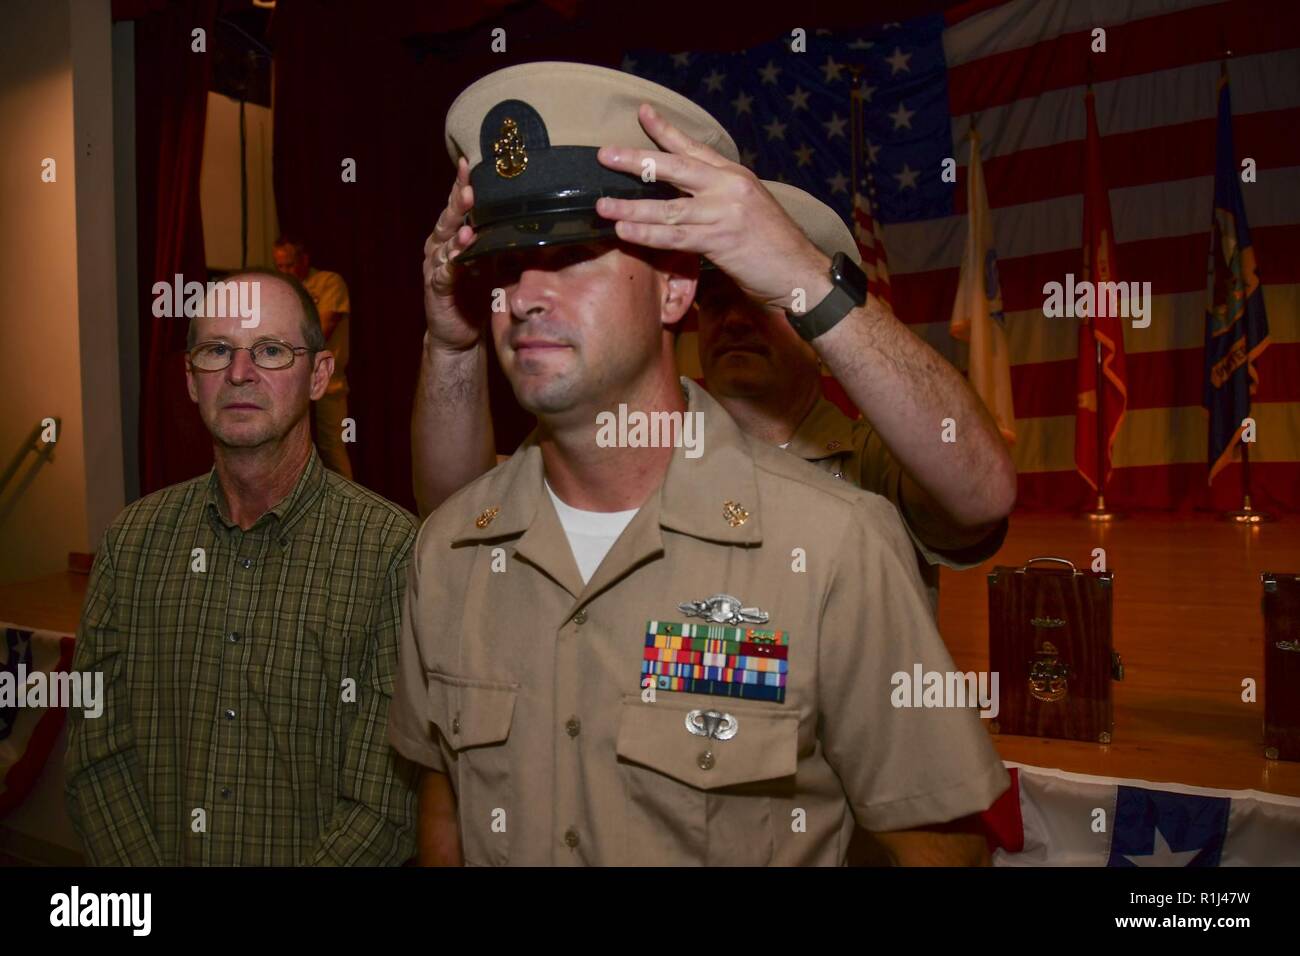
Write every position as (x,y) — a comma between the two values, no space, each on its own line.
(1236,328)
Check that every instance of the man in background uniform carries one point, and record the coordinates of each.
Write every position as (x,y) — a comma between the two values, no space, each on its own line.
(620,654)
(769,379)
(330,293)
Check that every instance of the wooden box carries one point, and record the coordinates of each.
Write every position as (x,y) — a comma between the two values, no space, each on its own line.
(1050,644)
(1281,666)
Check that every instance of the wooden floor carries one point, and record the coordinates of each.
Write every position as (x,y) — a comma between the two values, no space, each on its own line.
(1189,628)
(50,603)
(1187,623)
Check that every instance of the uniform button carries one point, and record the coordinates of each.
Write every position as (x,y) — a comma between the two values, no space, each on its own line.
(230,714)
(837,474)
(574,726)
(706,760)
(233,637)
(246,563)
(580,618)
(455,724)
(225,793)
(571,838)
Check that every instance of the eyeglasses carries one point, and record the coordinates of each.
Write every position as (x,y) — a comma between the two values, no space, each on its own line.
(268,354)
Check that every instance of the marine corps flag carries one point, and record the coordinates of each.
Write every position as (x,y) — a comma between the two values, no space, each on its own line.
(1236,328)
(977,311)
(1101,335)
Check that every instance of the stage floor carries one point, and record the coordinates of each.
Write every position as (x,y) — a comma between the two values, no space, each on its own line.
(1187,623)
(1189,628)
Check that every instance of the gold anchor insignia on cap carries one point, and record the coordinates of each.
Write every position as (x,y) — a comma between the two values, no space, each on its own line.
(486,517)
(512,156)
(832,444)
(734,513)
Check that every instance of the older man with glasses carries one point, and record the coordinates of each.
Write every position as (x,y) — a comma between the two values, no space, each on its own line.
(246,624)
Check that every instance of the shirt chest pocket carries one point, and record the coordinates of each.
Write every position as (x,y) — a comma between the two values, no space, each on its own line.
(474,718)
(694,798)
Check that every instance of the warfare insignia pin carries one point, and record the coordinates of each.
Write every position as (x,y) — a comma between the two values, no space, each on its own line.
(734,513)
(487,516)
(723,609)
(511,154)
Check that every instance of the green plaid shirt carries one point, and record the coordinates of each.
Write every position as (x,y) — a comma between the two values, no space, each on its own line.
(247,677)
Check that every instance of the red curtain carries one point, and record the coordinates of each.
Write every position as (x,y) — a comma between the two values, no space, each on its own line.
(373,85)
(171,89)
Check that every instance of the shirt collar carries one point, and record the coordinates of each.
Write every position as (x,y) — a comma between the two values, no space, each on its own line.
(824,433)
(286,513)
(713,496)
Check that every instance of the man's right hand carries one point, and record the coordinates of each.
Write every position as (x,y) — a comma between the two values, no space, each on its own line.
(449,328)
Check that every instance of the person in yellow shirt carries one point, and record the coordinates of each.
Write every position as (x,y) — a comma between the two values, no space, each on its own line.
(330,293)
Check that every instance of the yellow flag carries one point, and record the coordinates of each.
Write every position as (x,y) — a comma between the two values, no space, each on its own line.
(977,312)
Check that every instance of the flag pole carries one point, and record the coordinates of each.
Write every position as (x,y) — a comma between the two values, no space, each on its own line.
(856,129)
(1246,514)
(1099,513)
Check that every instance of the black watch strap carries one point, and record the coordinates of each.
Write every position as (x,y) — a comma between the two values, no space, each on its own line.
(848,292)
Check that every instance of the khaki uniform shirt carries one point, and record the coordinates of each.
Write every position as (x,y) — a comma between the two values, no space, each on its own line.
(526,687)
(850,449)
(330,293)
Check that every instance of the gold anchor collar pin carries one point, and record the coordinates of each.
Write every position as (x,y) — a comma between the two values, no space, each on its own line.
(735,513)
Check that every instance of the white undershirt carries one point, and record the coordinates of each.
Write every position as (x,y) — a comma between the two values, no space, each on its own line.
(591,533)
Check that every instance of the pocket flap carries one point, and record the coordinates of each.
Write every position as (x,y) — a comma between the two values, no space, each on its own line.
(471,713)
(765,745)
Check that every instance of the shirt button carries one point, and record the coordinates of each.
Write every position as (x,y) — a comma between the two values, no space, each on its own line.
(571,838)
(455,724)
(246,563)
(580,618)
(225,793)
(837,474)
(230,714)
(574,726)
(233,637)
(706,760)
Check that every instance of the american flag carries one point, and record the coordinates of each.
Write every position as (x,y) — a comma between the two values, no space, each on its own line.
(1017,71)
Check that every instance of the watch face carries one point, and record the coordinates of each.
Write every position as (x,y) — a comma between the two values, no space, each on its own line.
(846,274)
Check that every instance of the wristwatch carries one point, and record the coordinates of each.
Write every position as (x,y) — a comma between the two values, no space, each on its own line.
(848,293)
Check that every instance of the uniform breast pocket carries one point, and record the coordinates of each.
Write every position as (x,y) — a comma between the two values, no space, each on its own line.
(701,775)
(474,717)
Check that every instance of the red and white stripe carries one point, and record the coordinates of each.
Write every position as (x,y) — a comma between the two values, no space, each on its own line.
(871,246)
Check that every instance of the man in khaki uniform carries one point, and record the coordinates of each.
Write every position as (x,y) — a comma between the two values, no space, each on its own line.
(623,654)
(757,367)
(953,496)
